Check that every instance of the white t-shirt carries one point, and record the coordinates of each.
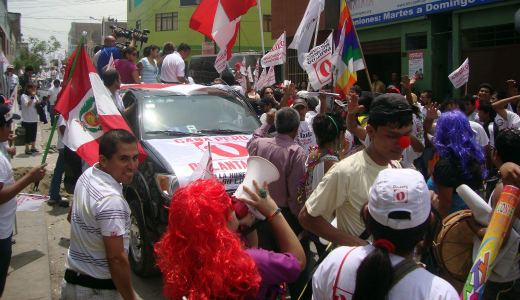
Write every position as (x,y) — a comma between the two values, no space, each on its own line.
(480,133)
(61,122)
(7,209)
(53,94)
(418,284)
(172,67)
(12,80)
(118,102)
(263,117)
(309,118)
(98,210)
(513,121)
(29,113)
(305,137)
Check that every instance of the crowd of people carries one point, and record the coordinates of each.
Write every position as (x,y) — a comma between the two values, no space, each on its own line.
(370,173)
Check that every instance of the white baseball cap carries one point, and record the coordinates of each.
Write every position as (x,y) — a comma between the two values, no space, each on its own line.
(399,199)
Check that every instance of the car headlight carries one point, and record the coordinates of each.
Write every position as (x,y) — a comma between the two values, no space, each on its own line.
(167,184)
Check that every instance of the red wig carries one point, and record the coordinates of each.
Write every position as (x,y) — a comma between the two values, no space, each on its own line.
(199,257)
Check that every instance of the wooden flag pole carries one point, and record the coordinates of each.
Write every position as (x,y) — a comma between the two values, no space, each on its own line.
(261,21)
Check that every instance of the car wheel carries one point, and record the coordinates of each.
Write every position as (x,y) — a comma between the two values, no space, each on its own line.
(141,255)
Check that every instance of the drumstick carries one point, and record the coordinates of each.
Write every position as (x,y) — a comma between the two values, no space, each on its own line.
(499,226)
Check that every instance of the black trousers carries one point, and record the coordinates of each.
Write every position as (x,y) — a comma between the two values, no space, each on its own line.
(30,131)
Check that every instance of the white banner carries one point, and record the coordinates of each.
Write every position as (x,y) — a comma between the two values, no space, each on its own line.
(460,76)
(260,81)
(29,202)
(277,54)
(228,154)
(221,61)
(303,35)
(318,64)
(271,78)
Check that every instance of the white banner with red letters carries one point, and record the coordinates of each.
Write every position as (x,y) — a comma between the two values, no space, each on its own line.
(277,54)
(460,76)
(229,154)
(318,64)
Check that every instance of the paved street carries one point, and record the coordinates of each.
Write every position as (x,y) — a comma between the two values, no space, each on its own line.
(42,239)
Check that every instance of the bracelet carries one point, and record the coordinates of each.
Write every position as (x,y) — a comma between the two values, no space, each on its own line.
(276,212)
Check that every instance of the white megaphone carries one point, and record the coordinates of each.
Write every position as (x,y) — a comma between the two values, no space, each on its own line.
(261,170)
(480,209)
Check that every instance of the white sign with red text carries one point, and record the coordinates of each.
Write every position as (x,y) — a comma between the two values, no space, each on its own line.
(277,54)
(318,64)
(460,76)
(229,154)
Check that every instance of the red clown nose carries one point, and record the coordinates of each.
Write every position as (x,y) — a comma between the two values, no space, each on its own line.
(404,141)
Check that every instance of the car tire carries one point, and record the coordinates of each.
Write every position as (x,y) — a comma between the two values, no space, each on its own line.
(140,254)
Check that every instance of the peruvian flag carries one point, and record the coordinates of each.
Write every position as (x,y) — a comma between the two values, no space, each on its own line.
(219,20)
(87,107)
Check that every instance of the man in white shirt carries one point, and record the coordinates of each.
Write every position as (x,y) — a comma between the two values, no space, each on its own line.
(97,260)
(53,96)
(12,79)
(173,69)
(305,136)
(112,82)
(8,191)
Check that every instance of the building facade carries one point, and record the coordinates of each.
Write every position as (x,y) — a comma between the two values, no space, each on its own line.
(430,39)
(168,21)
(10,32)
(93,37)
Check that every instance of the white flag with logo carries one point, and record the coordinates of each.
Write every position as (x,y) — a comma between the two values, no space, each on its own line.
(460,76)
(260,82)
(303,36)
(318,64)
(277,54)
(271,78)
(221,61)
(204,168)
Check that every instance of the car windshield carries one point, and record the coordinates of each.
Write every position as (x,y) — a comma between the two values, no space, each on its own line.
(181,115)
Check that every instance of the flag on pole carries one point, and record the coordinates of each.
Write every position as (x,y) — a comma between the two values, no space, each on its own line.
(87,108)
(349,58)
(219,20)
(303,36)
(270,79)
(204,168)
(277,54)
(256,72)
(318,64)
(111,64)
(249,74)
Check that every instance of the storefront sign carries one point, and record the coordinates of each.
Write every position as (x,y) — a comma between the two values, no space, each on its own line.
(372,12)
(416,65)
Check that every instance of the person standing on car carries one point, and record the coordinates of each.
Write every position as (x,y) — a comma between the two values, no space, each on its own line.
(173,66)
(148,64)
(97,260)
(126,66)
(29,101)
(102,57)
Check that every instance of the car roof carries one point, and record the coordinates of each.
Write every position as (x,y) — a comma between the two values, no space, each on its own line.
(180,89)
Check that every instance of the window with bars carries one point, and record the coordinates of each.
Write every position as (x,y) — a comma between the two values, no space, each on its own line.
(167,21)
(490,36)
(267,23)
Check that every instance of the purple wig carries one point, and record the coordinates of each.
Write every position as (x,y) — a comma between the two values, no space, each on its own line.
(455,138)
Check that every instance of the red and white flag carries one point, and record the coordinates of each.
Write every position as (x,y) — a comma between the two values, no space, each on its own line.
(219,20)
(271,78)
(88,109)
(204,168)
(111,64)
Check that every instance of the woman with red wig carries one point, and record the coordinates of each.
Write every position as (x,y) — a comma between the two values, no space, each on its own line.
(201,255)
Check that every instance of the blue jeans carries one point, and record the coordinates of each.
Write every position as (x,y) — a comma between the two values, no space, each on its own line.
(54,191)
(5,260)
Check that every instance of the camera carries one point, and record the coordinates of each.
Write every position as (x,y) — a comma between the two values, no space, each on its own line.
(140,36)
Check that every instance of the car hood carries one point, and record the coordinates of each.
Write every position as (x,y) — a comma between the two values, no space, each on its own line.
(228,153)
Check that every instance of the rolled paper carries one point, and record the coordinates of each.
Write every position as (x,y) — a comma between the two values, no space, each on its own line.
(499,225)
(480,209)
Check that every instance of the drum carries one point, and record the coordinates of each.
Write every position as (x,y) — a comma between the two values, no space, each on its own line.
(453,245)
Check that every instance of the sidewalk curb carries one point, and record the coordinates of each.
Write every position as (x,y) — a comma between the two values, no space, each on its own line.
(28,276)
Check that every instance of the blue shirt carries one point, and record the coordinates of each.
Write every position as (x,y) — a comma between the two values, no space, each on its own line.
(104,57)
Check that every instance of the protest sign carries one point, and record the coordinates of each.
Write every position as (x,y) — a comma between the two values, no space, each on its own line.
(416,65)
(460,76)
(318,64)
(277,54)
